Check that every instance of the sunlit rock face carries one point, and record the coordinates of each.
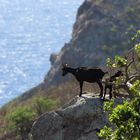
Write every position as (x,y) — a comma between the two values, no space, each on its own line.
(30,30)
(103,28)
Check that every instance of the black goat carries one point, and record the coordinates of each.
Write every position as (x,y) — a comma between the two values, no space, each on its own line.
(84,74)
(109,83)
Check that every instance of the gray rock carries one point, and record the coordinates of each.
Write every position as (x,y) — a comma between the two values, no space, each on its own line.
(80,119)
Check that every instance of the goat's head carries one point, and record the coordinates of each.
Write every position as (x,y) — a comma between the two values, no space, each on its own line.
(64,69)
(119,73)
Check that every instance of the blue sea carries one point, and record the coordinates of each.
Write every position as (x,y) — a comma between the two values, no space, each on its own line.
(30,30)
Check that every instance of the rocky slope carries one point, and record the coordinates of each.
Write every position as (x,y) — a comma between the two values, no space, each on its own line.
(80,119)
(103,28)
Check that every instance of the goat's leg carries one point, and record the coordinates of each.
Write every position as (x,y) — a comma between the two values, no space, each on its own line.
(101,88)
(81,86)
(110,92)
(105,92)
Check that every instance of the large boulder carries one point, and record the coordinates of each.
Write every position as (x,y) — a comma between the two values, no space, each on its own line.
(80,119)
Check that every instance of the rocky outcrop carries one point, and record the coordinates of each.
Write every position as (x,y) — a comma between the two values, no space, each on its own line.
(80,119)
(103,28)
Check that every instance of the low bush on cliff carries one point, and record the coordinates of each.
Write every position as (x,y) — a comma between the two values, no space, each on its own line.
(43,105)
(17,121)
(20,121)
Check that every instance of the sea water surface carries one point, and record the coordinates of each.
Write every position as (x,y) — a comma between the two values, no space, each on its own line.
(30,30)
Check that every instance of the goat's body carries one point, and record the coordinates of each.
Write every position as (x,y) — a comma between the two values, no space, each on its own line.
(109,84)
(84,74)
(89,75)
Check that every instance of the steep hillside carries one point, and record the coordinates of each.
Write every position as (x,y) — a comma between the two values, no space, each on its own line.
(102,29)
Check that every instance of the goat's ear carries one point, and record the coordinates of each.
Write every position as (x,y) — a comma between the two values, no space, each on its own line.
(63,65)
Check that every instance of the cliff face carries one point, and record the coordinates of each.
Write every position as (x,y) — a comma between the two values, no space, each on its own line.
(80,119)
(102,29)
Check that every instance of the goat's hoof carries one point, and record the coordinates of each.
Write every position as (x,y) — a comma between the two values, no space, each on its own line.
(80,94)
(102,98)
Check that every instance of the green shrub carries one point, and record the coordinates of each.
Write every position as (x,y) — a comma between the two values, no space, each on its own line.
(43,105)
(125,118)
(20,121)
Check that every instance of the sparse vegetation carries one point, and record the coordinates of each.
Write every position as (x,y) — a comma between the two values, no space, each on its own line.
(43,105)
(20,121)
